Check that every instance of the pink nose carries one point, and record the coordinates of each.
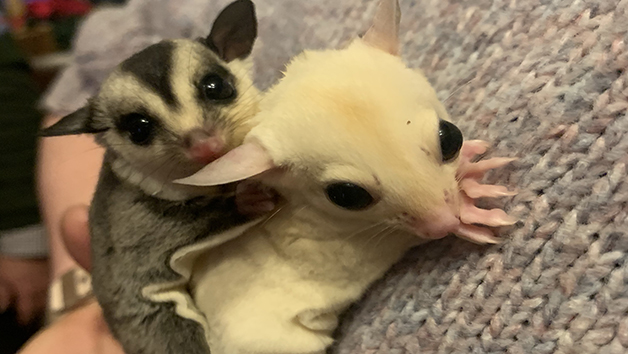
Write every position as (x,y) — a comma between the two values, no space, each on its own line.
(436,225)
(203,147)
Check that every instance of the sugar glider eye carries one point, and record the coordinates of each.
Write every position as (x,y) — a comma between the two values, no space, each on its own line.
(214,87)
(349,196)
(139,128)
(450,140)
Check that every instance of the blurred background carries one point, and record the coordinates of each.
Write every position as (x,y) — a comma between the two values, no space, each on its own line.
(35,39)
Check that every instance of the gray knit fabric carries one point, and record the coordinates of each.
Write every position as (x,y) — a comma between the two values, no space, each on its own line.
(543,80)
(549,86)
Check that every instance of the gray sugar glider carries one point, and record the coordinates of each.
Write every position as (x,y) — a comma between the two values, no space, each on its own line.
(163,114)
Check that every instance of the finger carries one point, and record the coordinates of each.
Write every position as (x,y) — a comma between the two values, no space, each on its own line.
(26,310)
(75,233)
(78,332)
(106,343)
(5,297)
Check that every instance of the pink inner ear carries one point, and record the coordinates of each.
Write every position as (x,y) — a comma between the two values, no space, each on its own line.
(384,33)
(243,162)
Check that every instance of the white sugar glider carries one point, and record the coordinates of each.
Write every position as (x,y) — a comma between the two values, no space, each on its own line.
(369,165)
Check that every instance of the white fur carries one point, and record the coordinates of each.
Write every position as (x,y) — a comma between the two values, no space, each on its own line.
(336,116)
(280,287)
(359,115)
(181,262)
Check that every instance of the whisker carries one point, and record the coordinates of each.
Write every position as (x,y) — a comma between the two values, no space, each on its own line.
(144,165)
(371,226)
(375,235)
(459,88)
(167,179)
(391,230)
(272,215)
(155,170)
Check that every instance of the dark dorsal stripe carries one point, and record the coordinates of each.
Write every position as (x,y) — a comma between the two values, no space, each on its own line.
(153,67)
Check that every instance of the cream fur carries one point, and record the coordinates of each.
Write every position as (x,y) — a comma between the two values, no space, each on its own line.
(182,263)
(358,115)
(280,287)
(355,115)
(336,116)
(349,110)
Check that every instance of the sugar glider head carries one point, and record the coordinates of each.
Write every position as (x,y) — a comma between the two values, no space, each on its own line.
(175,106)
(357,135)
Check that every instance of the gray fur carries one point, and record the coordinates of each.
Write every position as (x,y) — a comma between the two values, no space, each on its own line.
(134,236)
(138,217)
(153,67)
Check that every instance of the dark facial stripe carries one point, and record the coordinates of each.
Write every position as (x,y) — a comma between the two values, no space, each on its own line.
(153,67)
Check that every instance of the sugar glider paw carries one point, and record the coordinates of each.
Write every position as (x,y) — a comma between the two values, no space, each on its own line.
(253,200)
(469,174)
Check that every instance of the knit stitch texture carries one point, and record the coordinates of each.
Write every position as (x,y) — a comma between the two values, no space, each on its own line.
(548,86)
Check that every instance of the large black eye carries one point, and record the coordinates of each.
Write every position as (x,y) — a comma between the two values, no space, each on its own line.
(349,196)
(450,140)
(214,87)
(139,128)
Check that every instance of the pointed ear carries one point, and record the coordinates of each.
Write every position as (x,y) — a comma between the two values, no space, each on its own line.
(384,32)
(247,160)
(74,123)
(234,31)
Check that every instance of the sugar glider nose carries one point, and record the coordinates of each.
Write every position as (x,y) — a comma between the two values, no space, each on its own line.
(441,222)
(204,147)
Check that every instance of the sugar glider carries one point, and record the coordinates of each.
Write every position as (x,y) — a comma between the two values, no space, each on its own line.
(162,114)
(369,165)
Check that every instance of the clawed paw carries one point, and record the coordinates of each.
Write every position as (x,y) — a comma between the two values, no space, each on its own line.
(253,199)
(469,174)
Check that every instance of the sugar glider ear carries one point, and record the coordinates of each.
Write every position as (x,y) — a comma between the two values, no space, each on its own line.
(384,32)
(78,122)
(247,160)
(234,31)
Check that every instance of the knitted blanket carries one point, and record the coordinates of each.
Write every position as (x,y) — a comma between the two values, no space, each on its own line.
(543,80)
(548,86)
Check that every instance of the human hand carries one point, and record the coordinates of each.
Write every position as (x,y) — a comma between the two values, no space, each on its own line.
(23,287)
(82,331)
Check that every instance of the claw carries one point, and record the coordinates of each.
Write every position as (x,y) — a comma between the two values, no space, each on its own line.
(494,217)
(469,175)
(476,190)
(472,148)
(476,234)
(476,169)
(253,199)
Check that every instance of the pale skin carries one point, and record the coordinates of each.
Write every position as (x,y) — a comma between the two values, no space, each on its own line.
(84,330)
(67,170)
(23,286)
(67,174)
